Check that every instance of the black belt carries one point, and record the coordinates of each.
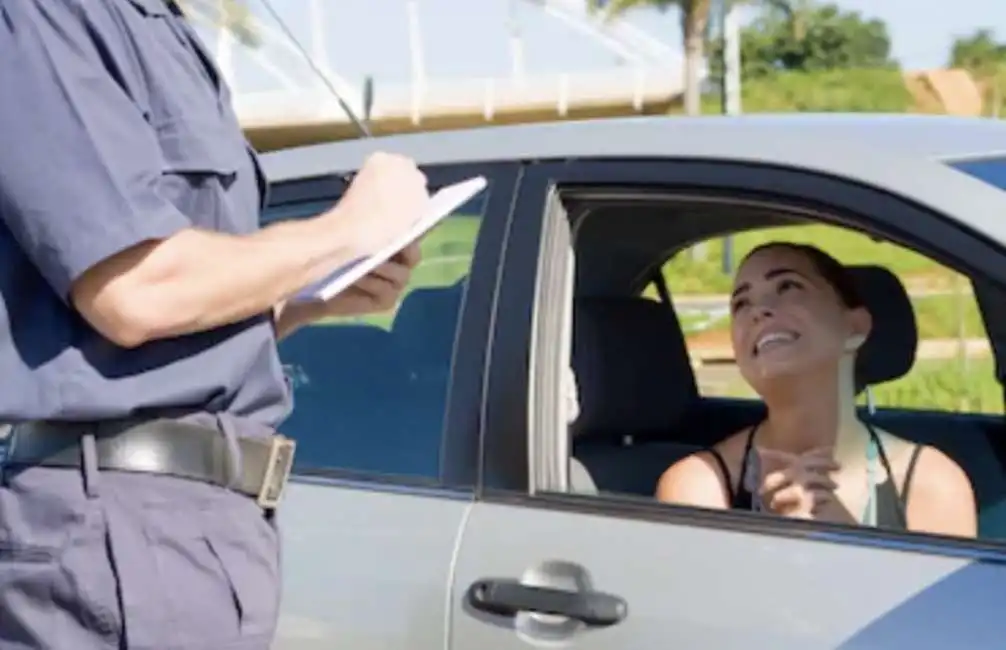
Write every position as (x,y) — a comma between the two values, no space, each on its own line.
(168,447)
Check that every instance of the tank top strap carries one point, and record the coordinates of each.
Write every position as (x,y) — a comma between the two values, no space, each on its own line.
(747,486)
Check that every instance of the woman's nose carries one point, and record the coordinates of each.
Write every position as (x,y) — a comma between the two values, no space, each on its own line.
(763,310)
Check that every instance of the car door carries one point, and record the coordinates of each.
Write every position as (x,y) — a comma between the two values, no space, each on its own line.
(385,418)
(540,566)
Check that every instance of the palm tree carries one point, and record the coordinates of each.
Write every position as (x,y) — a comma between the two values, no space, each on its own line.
(695,16)
(694,23)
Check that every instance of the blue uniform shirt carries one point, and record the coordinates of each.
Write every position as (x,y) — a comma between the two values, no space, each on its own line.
(115,128)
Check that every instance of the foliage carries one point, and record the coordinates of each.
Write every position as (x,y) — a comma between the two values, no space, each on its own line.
(813,38)
(686,275)
(953,385)
(985,58)
(979,52)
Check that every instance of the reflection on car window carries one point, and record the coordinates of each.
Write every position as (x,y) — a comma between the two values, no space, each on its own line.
(990,170)
(369,392)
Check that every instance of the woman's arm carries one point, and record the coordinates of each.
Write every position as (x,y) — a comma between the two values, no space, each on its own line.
(694,481)
(940,498)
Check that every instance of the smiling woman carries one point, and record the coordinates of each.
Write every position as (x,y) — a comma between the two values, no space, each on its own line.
(797,324)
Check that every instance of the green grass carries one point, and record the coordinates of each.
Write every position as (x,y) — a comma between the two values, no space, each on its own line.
(938,385)
(686,275)
(937,317)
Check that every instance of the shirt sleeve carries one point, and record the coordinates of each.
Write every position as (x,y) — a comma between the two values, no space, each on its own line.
(79,164)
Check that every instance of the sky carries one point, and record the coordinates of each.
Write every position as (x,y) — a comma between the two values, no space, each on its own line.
(469,38)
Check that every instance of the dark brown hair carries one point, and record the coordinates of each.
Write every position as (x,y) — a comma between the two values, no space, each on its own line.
(834,272)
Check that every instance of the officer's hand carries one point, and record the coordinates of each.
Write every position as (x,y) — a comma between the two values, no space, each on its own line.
(385,198)
(378,291)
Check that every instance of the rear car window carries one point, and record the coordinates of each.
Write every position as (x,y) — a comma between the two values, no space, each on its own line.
(370,392)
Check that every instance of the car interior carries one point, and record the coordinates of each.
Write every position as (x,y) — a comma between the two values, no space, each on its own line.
(640,409)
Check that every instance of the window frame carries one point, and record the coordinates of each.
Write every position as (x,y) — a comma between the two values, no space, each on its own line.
(461,437)
(900,219)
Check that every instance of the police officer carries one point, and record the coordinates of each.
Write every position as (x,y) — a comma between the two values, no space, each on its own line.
(139,310)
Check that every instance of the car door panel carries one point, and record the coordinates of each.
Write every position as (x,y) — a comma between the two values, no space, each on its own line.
(768,591)
(365,567)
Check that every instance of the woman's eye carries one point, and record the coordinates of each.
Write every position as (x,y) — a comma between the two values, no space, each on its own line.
(789,284)
(738,305)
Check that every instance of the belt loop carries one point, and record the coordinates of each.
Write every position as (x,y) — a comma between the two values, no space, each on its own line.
(233,449)
(89,465)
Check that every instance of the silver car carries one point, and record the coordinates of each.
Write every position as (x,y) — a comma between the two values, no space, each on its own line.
(457,486)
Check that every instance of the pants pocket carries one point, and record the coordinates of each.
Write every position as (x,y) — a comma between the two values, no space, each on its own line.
(245,544)
(195,601)
(56,585)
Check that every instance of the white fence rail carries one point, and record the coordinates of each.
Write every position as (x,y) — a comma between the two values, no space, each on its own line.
(561,93)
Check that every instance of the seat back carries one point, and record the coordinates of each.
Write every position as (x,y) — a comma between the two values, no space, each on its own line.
(635,383)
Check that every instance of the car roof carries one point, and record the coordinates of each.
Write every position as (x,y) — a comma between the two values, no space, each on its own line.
(924,136)
(904,154)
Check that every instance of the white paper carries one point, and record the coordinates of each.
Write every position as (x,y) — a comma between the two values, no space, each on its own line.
(441,205)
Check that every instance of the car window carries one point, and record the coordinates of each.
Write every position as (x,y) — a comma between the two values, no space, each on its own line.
(990,170)
(954,369)
(370,392)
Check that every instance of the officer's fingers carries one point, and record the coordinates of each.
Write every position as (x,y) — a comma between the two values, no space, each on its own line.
(393,273)
(410,256)
(378,291)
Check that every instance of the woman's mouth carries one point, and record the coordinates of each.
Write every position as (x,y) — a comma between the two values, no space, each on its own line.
(774,339)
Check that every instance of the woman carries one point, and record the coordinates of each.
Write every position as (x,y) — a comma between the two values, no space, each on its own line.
(796,325)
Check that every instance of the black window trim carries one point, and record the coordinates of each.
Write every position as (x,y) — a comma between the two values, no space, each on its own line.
(898,219)
(461,438)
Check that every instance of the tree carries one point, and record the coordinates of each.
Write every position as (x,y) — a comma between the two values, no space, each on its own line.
(809,37)
(984,57)
(980,53)
(694,27)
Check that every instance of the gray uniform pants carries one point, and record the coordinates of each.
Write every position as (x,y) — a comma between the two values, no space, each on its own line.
(133,562)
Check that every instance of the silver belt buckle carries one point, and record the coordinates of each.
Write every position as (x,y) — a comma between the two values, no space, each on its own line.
(277,471)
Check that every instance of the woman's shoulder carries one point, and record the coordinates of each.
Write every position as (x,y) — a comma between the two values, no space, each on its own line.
(704,475)
(937,490)
(921,468)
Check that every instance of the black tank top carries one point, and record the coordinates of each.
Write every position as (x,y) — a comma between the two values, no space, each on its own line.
(891,508)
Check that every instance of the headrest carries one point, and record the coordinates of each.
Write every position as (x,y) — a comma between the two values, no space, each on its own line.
(889,352)
(632,368)
(427,321)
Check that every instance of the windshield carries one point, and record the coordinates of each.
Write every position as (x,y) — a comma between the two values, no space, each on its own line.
(990,170)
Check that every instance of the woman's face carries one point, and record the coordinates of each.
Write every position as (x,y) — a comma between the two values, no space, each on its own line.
(787,320)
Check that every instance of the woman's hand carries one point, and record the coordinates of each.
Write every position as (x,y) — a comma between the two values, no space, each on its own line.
(798,485)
